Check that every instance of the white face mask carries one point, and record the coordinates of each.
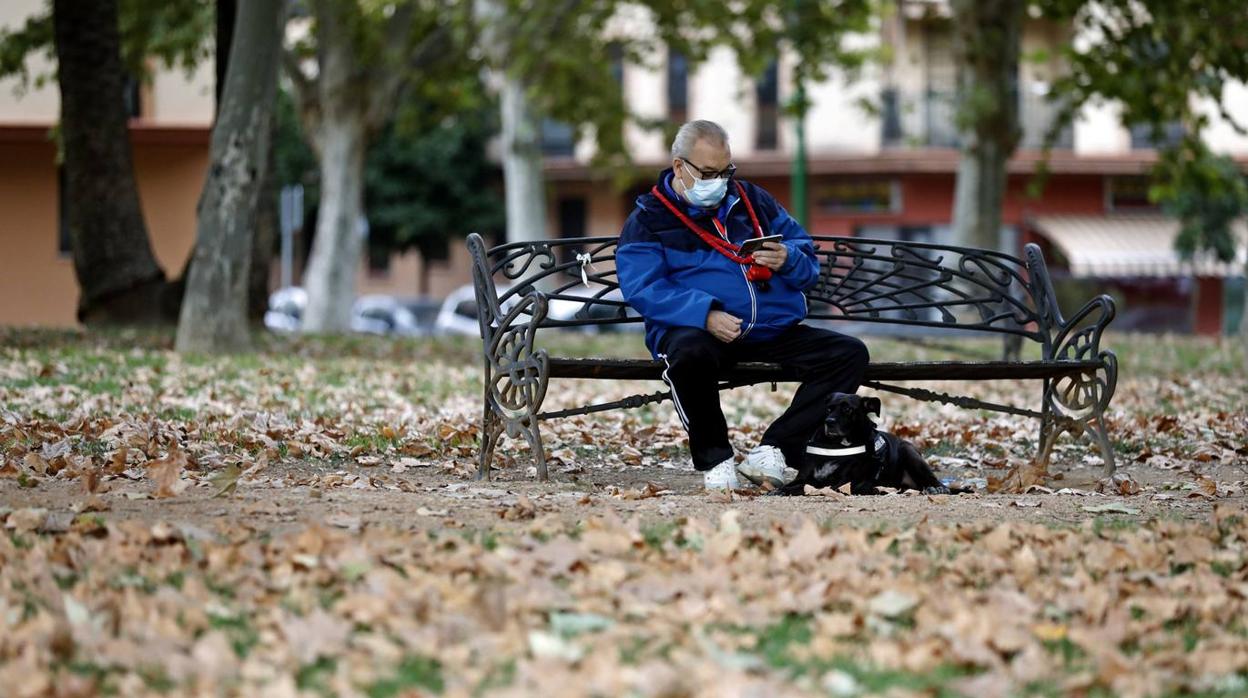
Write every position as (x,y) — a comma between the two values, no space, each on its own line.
(706,193)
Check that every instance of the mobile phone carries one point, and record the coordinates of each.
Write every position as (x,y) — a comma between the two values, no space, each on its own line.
(752,245)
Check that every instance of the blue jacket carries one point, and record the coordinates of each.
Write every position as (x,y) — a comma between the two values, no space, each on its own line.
(673,278)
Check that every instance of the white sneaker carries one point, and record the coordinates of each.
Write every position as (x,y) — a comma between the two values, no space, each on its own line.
(722,476)
(766,464)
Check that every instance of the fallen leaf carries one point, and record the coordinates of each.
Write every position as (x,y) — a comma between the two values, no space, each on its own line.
(26,520)
(167,475)
(225,481)
(523,509)
(1111,508)
(891,603)
(1019,478)
(1118,483)
(343,520)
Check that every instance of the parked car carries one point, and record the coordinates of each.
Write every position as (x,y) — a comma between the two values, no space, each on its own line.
(565,309)
(286,306)
(458,314)
(380,314)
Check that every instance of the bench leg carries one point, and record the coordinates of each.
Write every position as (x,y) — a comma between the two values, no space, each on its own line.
(1090,425)
(1049,431)
(533,434)
(491,432)
(1096,429)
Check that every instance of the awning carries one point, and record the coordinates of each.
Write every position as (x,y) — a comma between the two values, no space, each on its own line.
(1132,245)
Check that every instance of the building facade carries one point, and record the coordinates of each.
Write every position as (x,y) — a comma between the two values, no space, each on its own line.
(170,123)
(889,171)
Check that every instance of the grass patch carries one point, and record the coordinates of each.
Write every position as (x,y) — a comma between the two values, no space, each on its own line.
(774,644)
(414,672)
(656,534)
(499,676)
(314,677)
(243,637)
(1107,524)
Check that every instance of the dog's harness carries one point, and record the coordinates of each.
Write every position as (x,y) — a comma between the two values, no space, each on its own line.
(848,450)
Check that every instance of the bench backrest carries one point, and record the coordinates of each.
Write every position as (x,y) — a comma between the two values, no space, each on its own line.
(861,279)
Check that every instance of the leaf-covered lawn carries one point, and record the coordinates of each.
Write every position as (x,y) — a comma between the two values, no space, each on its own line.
(302,521)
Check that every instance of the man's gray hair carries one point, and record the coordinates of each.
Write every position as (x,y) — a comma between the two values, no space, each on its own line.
(695,131)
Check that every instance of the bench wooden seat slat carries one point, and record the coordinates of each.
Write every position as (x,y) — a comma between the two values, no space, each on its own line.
(916,284)
(644,369)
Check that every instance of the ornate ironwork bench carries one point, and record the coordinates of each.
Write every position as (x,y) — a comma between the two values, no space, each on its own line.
(862,280)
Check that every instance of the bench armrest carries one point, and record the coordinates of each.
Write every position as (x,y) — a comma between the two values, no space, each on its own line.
(1079,336)
(516,372)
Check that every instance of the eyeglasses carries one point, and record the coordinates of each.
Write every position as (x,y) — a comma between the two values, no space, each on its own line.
(725,173)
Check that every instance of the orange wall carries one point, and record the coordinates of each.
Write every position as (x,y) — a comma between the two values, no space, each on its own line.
(927,199)
(403,278)
(37,284)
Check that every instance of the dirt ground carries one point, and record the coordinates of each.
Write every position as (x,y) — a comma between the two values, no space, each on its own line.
(429,498)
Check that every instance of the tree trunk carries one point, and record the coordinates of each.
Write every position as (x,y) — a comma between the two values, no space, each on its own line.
(227,10)
(330,276)
(1243,323)
(118,275)
(978,195)
(522,165)
(214,309)
(987,39)
(265,240)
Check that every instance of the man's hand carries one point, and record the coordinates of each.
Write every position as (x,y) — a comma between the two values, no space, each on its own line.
(772,255)
(723,326)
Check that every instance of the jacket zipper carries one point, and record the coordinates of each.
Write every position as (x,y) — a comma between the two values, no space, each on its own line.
(723,232)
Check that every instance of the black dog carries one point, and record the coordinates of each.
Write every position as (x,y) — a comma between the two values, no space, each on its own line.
(849,449)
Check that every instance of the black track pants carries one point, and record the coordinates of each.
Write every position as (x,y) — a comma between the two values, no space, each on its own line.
(826,362)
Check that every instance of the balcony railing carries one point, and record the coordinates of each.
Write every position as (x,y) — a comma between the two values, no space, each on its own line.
(928,119)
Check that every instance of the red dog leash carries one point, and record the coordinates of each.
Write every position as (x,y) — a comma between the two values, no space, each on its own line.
(755,272)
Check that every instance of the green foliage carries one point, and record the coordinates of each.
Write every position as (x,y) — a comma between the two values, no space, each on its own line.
(424,187)
(295,163)
(1206,192)
(427,179)
(414,672)
(33,37)
(567,54)
(173,33)
(1162,61)
(177,33)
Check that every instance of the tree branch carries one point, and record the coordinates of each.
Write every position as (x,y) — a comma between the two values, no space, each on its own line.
(307,98)
(432,47)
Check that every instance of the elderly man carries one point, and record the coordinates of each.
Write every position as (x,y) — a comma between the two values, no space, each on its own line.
(707,307)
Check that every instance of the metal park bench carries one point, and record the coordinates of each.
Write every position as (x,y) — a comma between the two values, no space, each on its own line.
(861,280)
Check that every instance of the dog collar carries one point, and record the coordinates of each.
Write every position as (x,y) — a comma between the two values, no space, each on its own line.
(851,451)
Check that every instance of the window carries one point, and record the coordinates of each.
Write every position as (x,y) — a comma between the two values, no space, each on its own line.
(615,54)
(378,260)
(767,90)
(558,138)
(857,195)
(890,117)
(64,246)
(1128,193)
(677,87)
(132,89)
(572,222)
(1142,136)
